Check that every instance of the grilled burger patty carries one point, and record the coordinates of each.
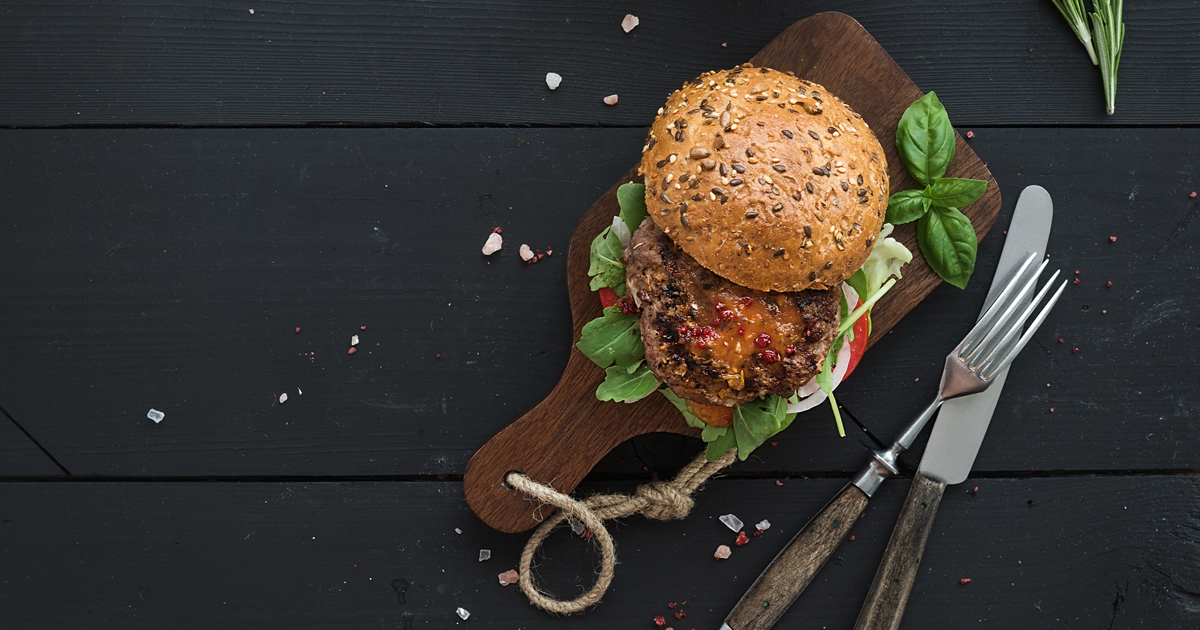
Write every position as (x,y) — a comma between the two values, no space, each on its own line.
(718,343)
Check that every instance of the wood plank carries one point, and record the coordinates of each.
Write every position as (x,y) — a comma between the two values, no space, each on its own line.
(547,444)
(1086,553)
(100,324)
(468,62)
(19,456)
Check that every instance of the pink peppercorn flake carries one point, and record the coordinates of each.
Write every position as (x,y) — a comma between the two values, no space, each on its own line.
(778,482)
(769,356)
(970,134)
(1193,195)
(741,539)
(1076,281)
(964,581)
(497,230)
(1112,239)
(851,536)
(680,614)
(670,604)
(352,350)
(586,535)
(660,621)
(1108,284)
(1074,350)
(1060,340)
(297,330)
(762,340)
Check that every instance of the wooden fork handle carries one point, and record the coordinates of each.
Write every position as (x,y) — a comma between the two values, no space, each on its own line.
(888,596)
(792,570)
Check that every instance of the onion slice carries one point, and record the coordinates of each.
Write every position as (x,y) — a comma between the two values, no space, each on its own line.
(810,393)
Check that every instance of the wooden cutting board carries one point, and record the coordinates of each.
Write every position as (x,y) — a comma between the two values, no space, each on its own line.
(561,438)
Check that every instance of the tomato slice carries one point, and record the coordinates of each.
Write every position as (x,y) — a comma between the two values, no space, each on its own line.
(859,345)
(608,297)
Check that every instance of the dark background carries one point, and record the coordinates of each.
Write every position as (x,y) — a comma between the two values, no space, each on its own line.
(183,184)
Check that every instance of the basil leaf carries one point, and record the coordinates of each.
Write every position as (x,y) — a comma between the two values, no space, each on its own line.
(612,338)
(607,268)
(925,139)
(621,386)
(691,418)
(952,192)
(948,241)
(632,199)
(907,206)
(755,422)
(720,445)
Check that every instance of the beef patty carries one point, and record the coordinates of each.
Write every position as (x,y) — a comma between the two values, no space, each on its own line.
(718,343)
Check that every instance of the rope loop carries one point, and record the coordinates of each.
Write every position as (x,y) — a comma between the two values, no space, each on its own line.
(658,500)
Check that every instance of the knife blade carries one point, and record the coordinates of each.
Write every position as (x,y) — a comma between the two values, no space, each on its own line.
(955,440)
(799,561)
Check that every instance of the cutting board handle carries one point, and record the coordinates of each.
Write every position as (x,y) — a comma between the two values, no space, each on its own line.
(558,442)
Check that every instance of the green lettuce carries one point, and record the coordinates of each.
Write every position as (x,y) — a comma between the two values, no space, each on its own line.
(627,386)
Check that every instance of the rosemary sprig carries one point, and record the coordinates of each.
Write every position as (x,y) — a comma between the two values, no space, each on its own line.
(1076,16)
(1109,31)
(1106,29)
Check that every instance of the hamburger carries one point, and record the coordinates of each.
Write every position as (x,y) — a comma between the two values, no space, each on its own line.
(745,258)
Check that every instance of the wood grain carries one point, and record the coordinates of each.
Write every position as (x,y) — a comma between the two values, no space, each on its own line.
(467,62)
(176,556)
(791,571)
(884,607)
(562,438)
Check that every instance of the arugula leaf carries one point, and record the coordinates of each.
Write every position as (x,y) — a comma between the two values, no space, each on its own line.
(756,421)
(723,440)
(907,206)
(622,386)
(688,416)
(948,241)
(612,338)
(925,139)
(953,192)
(607,268)
(632,199)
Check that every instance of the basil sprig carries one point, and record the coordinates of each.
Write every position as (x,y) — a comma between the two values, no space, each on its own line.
(925,141)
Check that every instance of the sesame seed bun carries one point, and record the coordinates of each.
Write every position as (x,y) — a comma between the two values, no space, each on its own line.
(767,180)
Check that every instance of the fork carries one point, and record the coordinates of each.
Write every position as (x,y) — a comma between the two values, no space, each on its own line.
(971,367)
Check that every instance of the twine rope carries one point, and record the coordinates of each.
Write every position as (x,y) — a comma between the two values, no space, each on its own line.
(658,500)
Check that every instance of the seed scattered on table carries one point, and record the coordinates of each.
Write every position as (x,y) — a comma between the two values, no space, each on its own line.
(611,99)
(722,552)
(493,244)
(630,22)
(553,80)
(155,415)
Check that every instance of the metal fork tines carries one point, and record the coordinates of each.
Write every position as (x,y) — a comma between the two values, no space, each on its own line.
(996,338)
(975,362)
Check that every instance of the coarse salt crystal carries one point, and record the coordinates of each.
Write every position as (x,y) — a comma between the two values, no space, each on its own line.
(462,613)
(485,554)
(251,11)
(732,522)
(457,531)
(630,22)
(577,526)
(763,525)
(509,577)
(283,398)
(493,244)
(354,340)
(611,99)
(155,415)
(526,253)
(722,552)
(553,79)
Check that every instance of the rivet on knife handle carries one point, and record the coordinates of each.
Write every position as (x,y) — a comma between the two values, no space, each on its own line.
(775,590)
(885,602)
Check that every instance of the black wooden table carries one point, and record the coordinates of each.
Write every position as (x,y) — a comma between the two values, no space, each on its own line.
(184,185)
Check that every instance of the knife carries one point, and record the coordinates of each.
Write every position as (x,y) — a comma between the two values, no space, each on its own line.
(954,442)
(796,565)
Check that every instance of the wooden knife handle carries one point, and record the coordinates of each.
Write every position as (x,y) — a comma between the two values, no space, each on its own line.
(791,571)
(889,592)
